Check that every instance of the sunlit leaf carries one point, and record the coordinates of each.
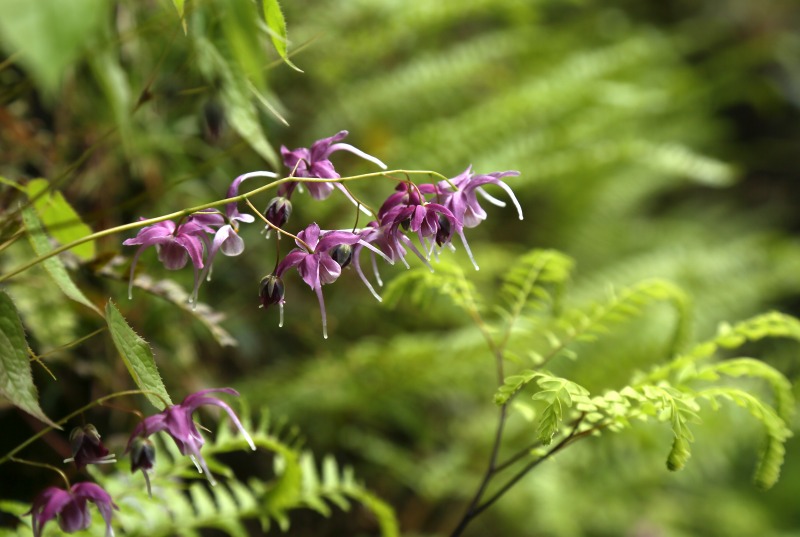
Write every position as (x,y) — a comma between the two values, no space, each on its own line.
(54,267)
(277,28)
(137,356)
(16,380)
(59,218)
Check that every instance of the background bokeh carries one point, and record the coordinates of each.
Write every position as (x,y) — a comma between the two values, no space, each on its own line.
(654,139)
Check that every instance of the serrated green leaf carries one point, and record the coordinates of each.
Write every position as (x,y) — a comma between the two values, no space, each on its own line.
(137,356)
(54,267)
(59,218)
(276,23)
(16,380)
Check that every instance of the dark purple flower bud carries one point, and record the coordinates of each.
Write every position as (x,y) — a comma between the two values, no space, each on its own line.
(342,254)
(87,448)
(445,230)
(143,454)
(278,211)
(271,290)
(143,457)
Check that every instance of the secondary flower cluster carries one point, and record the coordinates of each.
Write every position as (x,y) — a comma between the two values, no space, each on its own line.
(431,212)
(71,506)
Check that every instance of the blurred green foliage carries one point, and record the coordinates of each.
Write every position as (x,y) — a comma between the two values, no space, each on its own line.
(654,140)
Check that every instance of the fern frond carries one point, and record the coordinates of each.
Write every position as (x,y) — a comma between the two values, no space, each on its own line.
(185,509)
(771,458)
(335,485)
(615,409)
(589,323)
(524,285)
(750,367)
(773,325)
(556,392)
(421,285)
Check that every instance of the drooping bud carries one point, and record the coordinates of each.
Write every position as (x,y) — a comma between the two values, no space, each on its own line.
(342,254)
(278,211)
(143,457)
(87,448)
(143,454)
(271,290)
(445,231)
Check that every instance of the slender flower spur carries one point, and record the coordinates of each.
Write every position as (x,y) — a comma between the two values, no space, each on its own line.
(314,263)
(176,421)
(71,507)
(176,245)
(226,238)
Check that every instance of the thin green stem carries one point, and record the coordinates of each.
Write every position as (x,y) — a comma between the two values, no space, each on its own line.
(70,344)
(276,228)
(572,436)
(97,402)
(17,234)
(186,212)
(42,465)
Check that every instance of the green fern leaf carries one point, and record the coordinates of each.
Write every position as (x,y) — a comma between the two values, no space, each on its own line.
(421,285)
(771,459)
(589,323)
(523,285)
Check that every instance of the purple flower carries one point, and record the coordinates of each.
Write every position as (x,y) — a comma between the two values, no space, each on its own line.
(176,245)
(463,201)
(71,508)
(314,262)
(87,448)
(176,421)
(313,163)
(226,238)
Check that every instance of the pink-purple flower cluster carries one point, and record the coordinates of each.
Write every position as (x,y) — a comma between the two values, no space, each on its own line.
(431,213)
(70,506)
(198,238)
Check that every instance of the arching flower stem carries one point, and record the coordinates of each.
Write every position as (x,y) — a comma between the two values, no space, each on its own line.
(273,226)
(187,212)
(97,402)
(42,465)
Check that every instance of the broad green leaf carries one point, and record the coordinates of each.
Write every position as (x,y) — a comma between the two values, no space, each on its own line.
(240,27)
(53,265)
(235,96)
(59,218)
(137,356)
(16,379)
(50,35)
(273,16)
